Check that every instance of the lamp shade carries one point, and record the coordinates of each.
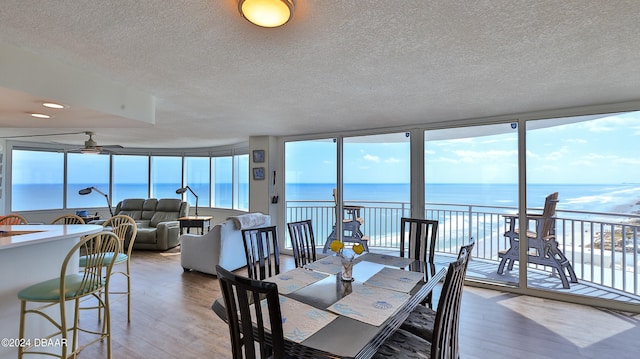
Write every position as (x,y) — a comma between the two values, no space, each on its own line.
(184,189)
(88,190)
(267,13)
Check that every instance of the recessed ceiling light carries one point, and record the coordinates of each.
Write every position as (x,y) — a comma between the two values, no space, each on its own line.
(53,105)
(40,115)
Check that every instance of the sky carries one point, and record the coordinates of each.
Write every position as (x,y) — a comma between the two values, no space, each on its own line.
(601,151)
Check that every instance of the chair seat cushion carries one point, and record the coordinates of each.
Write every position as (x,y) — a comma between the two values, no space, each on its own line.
(49,291)
(420,322)
(403,344)
(120,258)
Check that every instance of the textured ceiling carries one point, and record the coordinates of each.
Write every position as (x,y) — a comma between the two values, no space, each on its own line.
(338,65)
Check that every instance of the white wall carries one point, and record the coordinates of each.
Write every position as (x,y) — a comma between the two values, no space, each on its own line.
(261,192)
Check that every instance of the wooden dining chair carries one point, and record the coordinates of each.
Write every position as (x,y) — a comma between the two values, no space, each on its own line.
(246,326)
(303,242)
(13,218)
(68,219)
(261,251)
(420,236)
(422,319)
(444,343)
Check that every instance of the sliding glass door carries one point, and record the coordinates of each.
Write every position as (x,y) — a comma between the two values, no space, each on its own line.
(471,182)
(310,177)
(376,188)
(592,163)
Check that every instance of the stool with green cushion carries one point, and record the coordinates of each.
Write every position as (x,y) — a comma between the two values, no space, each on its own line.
(89,282)
(125,228)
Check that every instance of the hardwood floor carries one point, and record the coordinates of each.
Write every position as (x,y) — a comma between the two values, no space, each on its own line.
(171,318)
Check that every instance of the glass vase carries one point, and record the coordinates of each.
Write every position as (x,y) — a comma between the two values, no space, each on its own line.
(347,269)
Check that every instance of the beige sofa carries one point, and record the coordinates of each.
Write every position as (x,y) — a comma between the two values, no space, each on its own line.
(156,219)
(222,245)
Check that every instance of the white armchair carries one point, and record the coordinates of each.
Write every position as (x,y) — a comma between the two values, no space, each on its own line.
(222,245)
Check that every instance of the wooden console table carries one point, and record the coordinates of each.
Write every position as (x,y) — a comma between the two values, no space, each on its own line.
(195,221)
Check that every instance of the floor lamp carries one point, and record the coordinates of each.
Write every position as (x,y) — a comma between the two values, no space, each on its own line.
(183,190)
(90,189)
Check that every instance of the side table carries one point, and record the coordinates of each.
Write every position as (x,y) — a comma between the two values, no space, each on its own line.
(88,219)
(195,221)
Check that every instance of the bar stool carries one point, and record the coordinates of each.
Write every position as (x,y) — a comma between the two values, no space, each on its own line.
(68,219)
(13,218)
(125,228)
(72,286)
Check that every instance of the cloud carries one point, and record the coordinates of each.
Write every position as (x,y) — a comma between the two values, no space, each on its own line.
(628,161)
(608,124)
(392,160)
(446,159)
(371,158)
(491,155)
(599,157)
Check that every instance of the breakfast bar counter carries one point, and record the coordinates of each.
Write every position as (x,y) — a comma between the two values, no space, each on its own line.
(30,254)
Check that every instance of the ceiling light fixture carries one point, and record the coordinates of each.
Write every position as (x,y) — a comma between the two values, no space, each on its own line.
(40,115)
(53,105)
(90,151)
(267,13)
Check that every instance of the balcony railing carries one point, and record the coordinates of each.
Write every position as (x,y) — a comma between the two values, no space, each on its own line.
(602,247)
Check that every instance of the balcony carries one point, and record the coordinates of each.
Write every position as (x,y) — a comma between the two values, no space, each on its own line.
(602,247)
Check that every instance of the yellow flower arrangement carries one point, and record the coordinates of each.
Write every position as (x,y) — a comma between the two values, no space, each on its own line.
(337,246)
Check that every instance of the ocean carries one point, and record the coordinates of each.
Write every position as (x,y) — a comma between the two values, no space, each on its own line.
(27,197)
(618,198)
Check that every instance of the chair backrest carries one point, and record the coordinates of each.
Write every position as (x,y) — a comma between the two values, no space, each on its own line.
(444,344)
(13,219)
(96,248)
(125,228)
(261,251)
(168,209)
(247,321)
(548,213)
(421,235)
(303,242)
(68,219)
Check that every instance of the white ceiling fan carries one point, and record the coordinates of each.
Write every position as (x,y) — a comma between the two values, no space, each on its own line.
(90,145)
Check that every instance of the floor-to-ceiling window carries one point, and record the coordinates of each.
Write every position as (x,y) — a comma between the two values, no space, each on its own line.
(40,176)
(471,180)
(310,177)
(592,163)
(166,176)
(37,180)
(197,175)
(222,184)
(376,176)
(241,182)
(84,171)
(130,177)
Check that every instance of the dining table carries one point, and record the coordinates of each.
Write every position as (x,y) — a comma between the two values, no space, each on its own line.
(327,317)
